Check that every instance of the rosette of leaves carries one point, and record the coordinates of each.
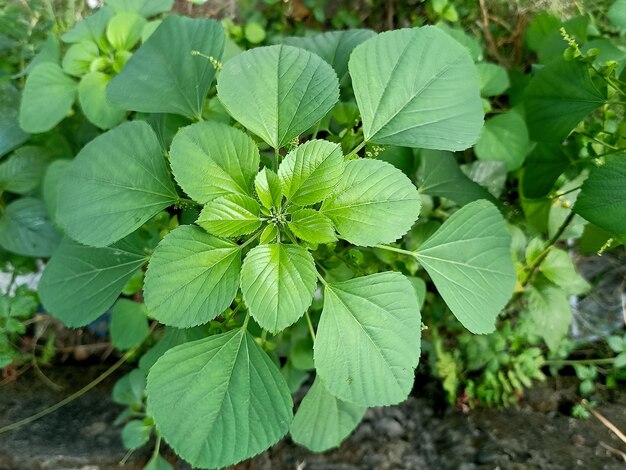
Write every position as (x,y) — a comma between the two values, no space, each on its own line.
(222,398)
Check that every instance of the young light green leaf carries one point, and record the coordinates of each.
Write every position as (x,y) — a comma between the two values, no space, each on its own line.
(310,172)
(124,30)
(493,79)
(323,420)
(368,339)
(469,261)
(192,277)
(25,228)
(504,138)
(129,324)
(441,176)
(558,97)
(268,188)
(95,276)
(550,313)
(135,434)
(92,98)
(617,13)
(130,388)
(399,79)
(277,92)
(559,268)
(90,28)
(11,135)
(334,47)
(230,216)
(23,171)
(277,283)
(47,88)
(602,198)
(163,76)
(269,234)
(210,159)
(79,57)
(372,203)
(219,400)
(311,226)
(117,182)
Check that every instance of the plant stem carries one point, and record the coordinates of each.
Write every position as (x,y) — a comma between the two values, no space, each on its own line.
(310,325)
(250,240)
(396,250)
(355,151)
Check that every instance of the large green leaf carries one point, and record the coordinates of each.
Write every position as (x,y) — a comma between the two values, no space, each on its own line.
(334,47)
(230,216)
(504,138)
(544,165)
(309,173)
(602,198)
(47,98)
(92,98)
(493,79)
(80,283)
(417,88)
(277,282)
(558,97)
(163,76)
(323,420)
(25,228)
(11,135)
(210,159)
(311,226)
(129,324)
(368,339)
(192,277)
(469,261)
(23,171)
(617,13)
(51,185)
(277,92)
(219,400)
(373,203)
(440,175)
(550,314)
(117,182)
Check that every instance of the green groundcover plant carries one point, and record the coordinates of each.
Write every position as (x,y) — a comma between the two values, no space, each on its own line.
(264,204)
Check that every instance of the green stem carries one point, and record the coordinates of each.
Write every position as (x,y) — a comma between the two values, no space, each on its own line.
(558,195)
(322,280)
(310,325)
(275,162)
(355,151)
(396,250)
(245,322)
(250,240)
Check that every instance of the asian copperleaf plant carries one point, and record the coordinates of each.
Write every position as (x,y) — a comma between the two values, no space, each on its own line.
(262,216)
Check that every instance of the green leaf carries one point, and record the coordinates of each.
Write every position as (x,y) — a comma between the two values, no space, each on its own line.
(372,203)
(558,97)
(504,138)
(124,30)
(399,79)
(620,361)
(94,277)
(219,400)
(92,98)
(616,343)
(47,88)
(617,13)
(441,176)
(23,171)
(550,314)
(544,165)
(163,76)
(268,188)
(277,92)
(368,339)
(25,228)
(79,57)
(129,324)
(309,173)
(471,43)
(277,283)
(602,198)
(334,47)
(11,135)
(269,234)
(135,434)
(158,463)
(311,226)
(192,277)
(210,159)
(230,216)
(146,7)
(117,182)
(493,79)
(323,420)
(51,185)
(559,268)
(489,174)
(90,28)
(469,261)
